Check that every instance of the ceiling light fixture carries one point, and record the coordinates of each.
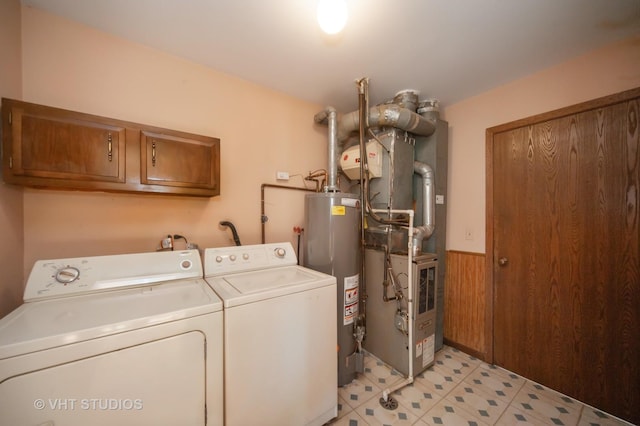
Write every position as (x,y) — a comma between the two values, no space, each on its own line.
(332,15)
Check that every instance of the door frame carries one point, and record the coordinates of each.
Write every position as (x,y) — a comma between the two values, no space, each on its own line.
(489,243)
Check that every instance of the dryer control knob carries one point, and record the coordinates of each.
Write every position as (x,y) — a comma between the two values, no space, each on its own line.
(67,275)
(245,256)
(218,259)
(280,252)
(232,257)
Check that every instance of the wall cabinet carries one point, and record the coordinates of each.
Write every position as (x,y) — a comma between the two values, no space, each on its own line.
(54,148)
(174,161)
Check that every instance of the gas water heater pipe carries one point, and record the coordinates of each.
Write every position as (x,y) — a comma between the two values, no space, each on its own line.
(330,115)
(363,94)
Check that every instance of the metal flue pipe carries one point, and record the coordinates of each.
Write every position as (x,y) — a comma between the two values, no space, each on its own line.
(330,116)
(387,115)
(428,206)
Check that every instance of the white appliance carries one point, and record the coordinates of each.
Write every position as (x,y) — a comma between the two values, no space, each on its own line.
(130,339)
(280,361)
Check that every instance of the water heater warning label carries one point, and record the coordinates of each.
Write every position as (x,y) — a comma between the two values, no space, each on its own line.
(338,211)
(428,350)
(350,299)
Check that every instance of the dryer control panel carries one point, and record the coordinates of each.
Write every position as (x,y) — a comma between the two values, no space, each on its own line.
(66,277)
(226,260)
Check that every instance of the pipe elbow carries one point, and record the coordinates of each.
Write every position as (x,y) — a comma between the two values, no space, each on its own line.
(347,124)
(422,169)
(322,117)
(423,232)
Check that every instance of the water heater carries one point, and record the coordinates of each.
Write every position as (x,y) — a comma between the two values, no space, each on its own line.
(331,244)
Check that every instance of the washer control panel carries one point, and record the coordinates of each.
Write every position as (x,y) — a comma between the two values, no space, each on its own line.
(225,260)
(66,277)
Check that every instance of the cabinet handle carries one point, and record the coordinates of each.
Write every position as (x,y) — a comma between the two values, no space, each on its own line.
(153,153)
(110,147)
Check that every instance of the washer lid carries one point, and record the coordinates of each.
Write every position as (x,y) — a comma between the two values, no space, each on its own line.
(248,287)
(50,323)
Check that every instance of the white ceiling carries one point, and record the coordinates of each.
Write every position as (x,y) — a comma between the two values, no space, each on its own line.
(445,49)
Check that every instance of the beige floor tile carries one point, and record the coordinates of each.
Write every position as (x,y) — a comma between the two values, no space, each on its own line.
(477,402)
(498,382)
(374,414)
(514,417)
(349,419)
(358,391)
(593,417)
(546,405)
(416,398)
(438,380)
(449,414)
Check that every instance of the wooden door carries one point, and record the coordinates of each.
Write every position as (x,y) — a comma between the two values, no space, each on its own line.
(564,217)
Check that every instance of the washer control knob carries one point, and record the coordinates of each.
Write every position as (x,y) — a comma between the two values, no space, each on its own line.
(67,275)
(218,259)
(245,256)
(232,257)
(280,252)
(186,264)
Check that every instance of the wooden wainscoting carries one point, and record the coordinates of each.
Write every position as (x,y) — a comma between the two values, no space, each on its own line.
(464,303)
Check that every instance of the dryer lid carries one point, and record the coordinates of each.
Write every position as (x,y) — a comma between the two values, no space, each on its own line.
(50,323)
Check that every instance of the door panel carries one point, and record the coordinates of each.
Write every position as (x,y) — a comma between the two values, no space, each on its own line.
(565,255)
(161,382)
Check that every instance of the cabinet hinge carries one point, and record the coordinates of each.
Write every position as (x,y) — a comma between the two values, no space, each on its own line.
(10,117)
(11,162)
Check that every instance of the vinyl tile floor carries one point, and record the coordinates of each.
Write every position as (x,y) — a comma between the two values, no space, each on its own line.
(459,390)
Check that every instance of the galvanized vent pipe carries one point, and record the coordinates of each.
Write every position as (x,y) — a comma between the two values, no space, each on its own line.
(387,115)
(428,206)
(330,116)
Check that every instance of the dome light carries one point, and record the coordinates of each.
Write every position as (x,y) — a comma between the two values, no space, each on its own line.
(332,15)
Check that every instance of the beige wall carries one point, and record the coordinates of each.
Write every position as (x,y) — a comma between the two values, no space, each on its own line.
(74,67)
(11,229)
(602,72)
(67,65)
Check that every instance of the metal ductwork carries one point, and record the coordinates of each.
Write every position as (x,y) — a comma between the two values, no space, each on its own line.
(428,206)
(387,115)
(330,116)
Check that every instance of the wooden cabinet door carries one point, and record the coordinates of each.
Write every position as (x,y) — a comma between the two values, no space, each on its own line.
(48,143)
(180,160)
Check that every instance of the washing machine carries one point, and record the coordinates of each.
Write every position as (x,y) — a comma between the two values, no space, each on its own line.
(280,336)
(132,339)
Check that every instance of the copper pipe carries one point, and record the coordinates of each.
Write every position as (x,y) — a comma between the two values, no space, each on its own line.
(263,217)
